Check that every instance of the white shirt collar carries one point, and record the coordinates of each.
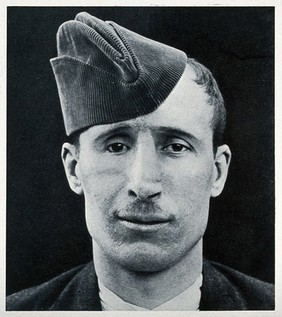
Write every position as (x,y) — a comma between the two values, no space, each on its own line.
(188,300)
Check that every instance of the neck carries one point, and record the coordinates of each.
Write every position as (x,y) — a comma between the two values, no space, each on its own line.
(145,289)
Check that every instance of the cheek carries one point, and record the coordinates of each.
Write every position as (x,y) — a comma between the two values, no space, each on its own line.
(101,181)
(189,191)
(193,198)
(190,181)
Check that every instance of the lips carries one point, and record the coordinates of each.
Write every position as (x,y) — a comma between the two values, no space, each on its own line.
(147,219)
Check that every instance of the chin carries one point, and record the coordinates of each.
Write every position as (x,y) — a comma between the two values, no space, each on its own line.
(145,264)
(145,260)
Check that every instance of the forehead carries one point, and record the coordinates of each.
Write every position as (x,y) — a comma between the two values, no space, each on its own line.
(186,109)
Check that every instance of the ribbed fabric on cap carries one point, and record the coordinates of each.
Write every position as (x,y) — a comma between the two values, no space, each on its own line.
(106,73)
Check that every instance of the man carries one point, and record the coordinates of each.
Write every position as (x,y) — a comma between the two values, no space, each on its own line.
(145,127)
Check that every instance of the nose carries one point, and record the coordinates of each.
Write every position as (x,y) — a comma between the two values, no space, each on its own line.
(145,172)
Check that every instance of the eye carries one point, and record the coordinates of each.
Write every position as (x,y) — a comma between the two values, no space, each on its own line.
(117,148)
(176,148)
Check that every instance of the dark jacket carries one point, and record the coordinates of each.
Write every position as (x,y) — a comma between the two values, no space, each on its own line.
(223,289)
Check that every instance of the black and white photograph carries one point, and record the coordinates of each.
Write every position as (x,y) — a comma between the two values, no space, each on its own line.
(140,158)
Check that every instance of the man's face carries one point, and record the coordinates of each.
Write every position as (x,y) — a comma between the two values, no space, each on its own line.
(147,181)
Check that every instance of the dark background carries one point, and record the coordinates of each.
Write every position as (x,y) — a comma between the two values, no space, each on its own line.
(46,231)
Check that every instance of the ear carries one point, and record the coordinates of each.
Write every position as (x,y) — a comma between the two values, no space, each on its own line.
(70,159)
(221,166)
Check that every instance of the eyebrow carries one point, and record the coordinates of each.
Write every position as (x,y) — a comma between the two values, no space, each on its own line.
(123,127)
(176,132)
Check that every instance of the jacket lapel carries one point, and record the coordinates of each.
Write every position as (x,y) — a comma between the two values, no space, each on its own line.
(218,293)
(82,293)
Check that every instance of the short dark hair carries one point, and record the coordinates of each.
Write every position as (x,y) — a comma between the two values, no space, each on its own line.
(74,138)
(205,79)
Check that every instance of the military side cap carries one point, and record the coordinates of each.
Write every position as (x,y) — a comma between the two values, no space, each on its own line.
(106,73)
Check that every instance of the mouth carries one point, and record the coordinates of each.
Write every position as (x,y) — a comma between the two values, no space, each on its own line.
(144,222)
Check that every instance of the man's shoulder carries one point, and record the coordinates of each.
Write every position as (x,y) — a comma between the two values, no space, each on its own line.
(226,288)
(42,297)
